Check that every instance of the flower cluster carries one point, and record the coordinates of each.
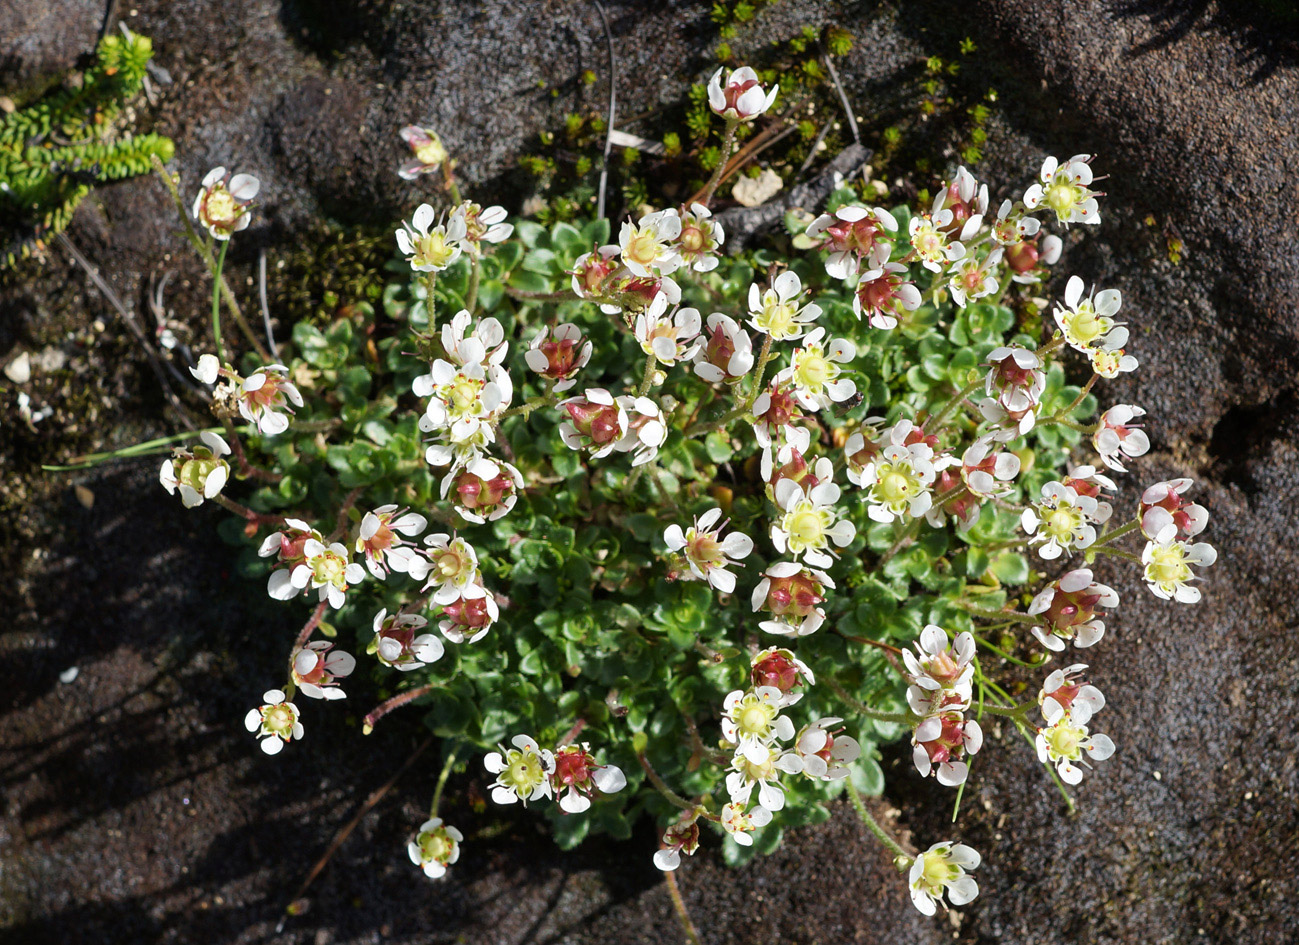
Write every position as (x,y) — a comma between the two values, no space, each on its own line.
(570,773)
(607,465)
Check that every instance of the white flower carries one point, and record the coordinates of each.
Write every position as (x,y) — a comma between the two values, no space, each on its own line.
(752,722)
(1111,362)
(883,293)
(429,154)
(700,238)
(468,618)
(746,774)
(1063,742)
(436,847)
(742,98)
(590,270)
(1088,323)
(669,337)
(1015,378)
(814,371)
(264,394)
(942,741)
(483,489)
(287,547)
(898,482)
(482,226)
(558,354)
(430,248)
(275,723)
(329,570)
(776,312)
(825,754)
(223,209)
(197,474)
(854,234)
(1063,520)
(452,567)
(1069,607)
(809,522)
(597,422)
(484,345)
(464,402)
(647,429)
(522,772)
(941,869)
(317,667)
(681,837)
(792,594)
(939,668)
(1063,691)
(396,643)
(739,823)
(1168,565)
(974,278)
(706,553)
(648,248)
(1116,436)
(1010,229)
(1064,189)
(778,668)
(576,777)
(209,368)
(726,351)
(775,411)
(380,540)
(928,232)
(983,470)
(1163,504)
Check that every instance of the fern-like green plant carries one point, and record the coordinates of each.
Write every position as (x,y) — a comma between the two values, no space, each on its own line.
(56,149)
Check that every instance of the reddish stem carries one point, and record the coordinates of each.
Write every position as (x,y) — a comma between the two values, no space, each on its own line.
(396,702)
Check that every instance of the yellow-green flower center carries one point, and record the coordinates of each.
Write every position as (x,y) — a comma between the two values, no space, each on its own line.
(812,370)
(433,250)
(1065,740)
(451,565)
(777,317)
(463,395)
(523,772)
(754,717)
(896,484)
(806,526)
(643,247)
(1062,195)
(278,719)
(937,871)
(1167,566)
(436,846)
(329,568)
(1062,523)
(928,242)
(1086,326)
(431,153)
(221,208)
(194,472)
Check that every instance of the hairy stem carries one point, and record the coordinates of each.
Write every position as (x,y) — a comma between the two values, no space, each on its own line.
(728,142)
(874,826)
(679,904)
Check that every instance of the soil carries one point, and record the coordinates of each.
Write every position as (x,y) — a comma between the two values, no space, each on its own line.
(136,808)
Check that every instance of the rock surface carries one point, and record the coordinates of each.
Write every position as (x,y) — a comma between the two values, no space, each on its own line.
(135,810)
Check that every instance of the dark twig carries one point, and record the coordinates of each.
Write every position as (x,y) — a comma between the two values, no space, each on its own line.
(266,309)
(346,832)
(843,99)
(154,361)
(613,104)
